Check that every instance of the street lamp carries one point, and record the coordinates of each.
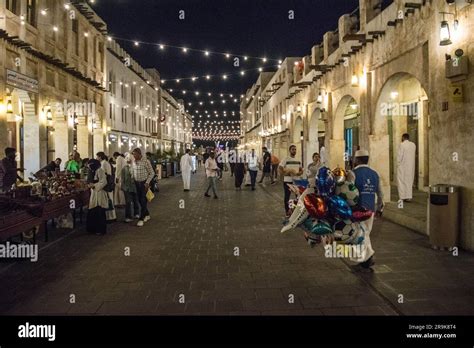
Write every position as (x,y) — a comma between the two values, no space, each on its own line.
(444,34)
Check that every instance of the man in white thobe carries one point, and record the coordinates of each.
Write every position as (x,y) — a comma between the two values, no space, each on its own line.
(186,169)
(323,156)
(406,168)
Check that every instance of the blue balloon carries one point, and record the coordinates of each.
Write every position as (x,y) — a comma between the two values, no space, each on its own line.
(308,224)
(325,182)
(339,208)
(322,228)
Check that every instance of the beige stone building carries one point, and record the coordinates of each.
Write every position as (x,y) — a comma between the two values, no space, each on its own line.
(176,124)
(391,68)
(251,114)
(52,79)
(132,103)
(274,107)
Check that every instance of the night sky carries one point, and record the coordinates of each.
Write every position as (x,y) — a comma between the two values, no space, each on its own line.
(259,28)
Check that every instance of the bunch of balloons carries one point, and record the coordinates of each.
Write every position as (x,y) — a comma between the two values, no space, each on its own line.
(330,209)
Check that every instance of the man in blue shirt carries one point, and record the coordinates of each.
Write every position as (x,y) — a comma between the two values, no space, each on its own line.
(368,183)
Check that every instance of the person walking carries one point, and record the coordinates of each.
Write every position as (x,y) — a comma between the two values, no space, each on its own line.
(313,169)
(220,164)
(99,199)
(107,167)
(194,162)
(199,156)
(119,196)
(186,169)
(252,166)
(232,161)
(368,183)
(323,155)
(211,173)
(267,166)
(275,164)
(406,168)
(290,168)
(239,171)
(132,207)
(142,174)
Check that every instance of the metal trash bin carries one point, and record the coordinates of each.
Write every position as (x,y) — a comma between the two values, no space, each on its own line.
(164,170)
(443,216)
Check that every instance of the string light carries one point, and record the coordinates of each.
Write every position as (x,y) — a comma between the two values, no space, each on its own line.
(206,52)
(208,77)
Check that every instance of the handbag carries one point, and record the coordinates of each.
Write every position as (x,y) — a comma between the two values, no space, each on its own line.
(150,196)
(110,187)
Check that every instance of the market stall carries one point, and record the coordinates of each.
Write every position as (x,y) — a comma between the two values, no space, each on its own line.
(29,206)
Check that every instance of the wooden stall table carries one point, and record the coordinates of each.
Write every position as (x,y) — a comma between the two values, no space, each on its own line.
(16,223)
(61,206)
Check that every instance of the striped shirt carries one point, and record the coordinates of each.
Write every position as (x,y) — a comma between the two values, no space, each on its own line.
(293,164)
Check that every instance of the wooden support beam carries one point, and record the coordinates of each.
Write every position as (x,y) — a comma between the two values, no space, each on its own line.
(412,5)
(354,37)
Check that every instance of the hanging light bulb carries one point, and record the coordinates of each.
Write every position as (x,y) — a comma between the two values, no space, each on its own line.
(9,107)
(320,98)
(444,34)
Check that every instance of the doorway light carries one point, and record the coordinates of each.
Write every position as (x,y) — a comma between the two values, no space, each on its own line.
(355,80)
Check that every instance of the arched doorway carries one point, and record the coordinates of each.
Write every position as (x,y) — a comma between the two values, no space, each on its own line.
(401,108)
(351,132)
(313,135)
(297,138)
(345,136)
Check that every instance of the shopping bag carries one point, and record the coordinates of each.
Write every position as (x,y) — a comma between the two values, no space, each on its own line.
(150,195)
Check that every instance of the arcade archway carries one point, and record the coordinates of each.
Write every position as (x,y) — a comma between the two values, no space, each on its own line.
(402,107)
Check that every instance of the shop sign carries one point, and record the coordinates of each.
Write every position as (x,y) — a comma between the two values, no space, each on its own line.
(20,81)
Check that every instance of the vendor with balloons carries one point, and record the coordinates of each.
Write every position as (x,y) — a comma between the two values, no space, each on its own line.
(368,183)
(339,208)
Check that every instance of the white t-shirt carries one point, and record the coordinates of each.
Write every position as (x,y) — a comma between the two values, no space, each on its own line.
(291,163)
(210,166)
(253,162)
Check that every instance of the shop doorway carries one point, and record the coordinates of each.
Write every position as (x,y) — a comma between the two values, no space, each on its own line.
(297,139)
(403,107)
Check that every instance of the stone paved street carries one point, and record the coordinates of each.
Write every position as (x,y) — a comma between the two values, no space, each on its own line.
(190,251)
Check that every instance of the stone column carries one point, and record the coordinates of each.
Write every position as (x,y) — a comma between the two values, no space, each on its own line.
(31,128)
(83,139)
(62,141)
(379,161)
